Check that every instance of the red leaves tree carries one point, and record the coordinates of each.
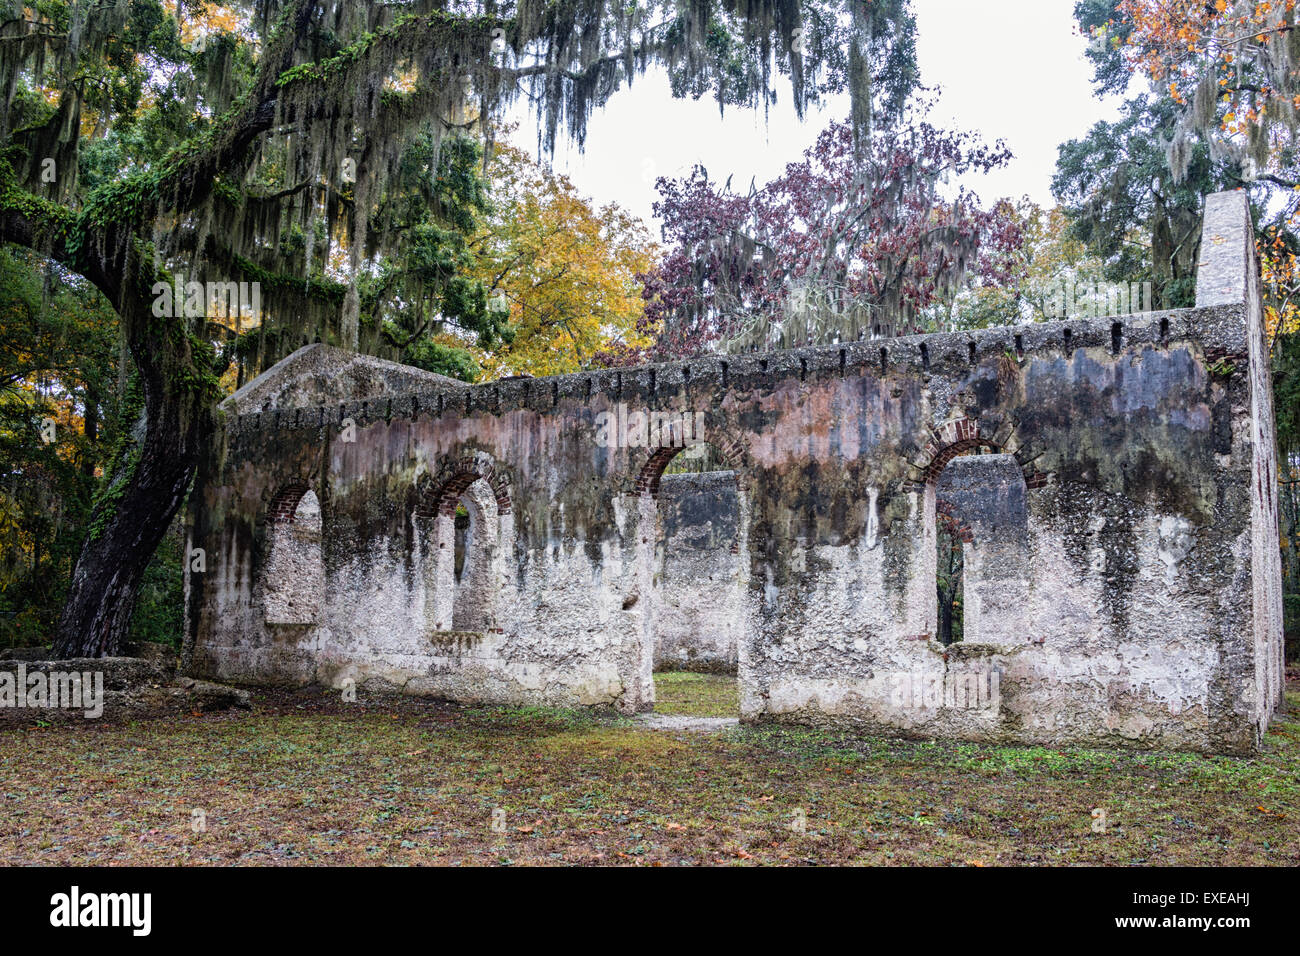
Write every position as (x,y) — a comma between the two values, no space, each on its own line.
(834,249)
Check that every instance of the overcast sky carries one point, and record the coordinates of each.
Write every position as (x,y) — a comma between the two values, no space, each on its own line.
(1009,69)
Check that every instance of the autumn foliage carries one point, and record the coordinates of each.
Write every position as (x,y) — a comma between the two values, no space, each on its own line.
(835,248)
(1232,66)
(565,271)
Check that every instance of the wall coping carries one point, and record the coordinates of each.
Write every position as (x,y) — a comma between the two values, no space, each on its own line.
(1218,329)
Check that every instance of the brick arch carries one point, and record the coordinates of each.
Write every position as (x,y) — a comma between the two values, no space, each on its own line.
(440,492)
(650,474)
(959,435)
(949,440)
(284,503)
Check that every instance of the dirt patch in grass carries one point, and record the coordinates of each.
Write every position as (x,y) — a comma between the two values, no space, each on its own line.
(311,780)
(687,694)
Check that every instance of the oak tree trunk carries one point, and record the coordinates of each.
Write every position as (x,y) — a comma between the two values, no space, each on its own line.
(133,514)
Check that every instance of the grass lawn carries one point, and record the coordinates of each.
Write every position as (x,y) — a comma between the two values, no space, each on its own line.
(310,779)
(684,694)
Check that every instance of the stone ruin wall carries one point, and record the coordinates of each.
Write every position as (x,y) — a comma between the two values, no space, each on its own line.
(1124,561)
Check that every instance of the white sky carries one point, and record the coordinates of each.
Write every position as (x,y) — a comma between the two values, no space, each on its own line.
(1010,69)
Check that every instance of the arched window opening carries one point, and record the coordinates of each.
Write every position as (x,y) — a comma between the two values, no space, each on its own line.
(475,540)
(294,576)
(459,534)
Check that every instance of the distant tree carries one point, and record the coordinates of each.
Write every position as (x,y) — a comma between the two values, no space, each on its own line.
(61,396)
(839,245)
(948,584)
(1128,206)
(1286,400)
(1048,275)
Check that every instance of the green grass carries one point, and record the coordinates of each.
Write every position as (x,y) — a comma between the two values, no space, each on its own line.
(696,695)
(315,781)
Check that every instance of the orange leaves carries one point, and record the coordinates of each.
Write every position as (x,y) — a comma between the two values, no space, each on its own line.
(1235,47)
(566,270)
(1280,278)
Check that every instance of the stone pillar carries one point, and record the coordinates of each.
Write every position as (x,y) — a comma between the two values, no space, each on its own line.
(1228,274)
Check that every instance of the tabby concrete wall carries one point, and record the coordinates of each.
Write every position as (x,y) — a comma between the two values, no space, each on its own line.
(697,590)
(1149,613)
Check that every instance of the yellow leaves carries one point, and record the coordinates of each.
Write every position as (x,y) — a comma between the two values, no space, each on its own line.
(208,19)
(567,270)
(1280,279)
(401,80)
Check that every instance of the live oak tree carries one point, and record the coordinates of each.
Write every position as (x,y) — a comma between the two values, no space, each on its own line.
(1131,209)
(264,142)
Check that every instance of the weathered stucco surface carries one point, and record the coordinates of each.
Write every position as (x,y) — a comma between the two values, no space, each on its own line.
(1123,537)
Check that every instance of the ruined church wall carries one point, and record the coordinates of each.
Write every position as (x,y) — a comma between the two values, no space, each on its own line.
(1131,626)
(560,633)
(1145,617)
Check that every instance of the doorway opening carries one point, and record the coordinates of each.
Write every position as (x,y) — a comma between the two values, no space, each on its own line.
(695,606)
(978,523)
